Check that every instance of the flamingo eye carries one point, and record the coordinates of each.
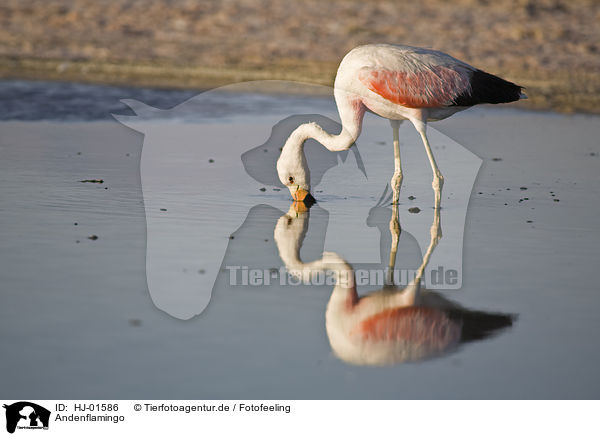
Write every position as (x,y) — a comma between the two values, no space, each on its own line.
(291,179)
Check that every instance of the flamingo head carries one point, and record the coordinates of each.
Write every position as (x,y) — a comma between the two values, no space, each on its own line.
(293,172)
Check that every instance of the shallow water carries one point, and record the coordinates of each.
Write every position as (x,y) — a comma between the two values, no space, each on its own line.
(77,319)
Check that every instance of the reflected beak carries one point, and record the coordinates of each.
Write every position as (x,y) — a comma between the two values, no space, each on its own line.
(300,207)
(304,196)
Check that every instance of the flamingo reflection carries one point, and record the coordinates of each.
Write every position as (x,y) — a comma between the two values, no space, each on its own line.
(390,325)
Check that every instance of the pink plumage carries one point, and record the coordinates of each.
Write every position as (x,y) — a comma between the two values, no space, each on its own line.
(421,78)
(423,326)
(429,88)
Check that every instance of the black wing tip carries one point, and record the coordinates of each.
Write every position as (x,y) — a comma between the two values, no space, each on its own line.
(487,88)
(477,325)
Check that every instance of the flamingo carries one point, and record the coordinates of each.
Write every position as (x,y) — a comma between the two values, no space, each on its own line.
(398,83)
(387,326)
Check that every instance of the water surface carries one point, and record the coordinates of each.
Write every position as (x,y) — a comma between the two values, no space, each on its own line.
(77,320)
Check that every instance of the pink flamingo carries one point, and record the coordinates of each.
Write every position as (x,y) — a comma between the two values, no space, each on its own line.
(398,83)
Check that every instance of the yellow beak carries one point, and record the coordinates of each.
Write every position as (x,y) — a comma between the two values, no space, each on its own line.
(304,196)
(300,194)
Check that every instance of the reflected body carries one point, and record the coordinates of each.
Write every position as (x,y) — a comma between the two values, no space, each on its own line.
(391,325)
(398,83)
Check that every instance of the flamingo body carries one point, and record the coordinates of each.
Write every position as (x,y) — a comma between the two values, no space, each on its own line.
(402,82)
(388,335)
(383,328)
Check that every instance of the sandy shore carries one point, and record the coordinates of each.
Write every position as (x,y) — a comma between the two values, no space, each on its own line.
(549,46)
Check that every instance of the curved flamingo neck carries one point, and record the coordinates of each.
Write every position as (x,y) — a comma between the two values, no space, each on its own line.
(294,144)
(351,113)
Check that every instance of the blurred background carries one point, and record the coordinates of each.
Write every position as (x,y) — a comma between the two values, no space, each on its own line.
(552,47)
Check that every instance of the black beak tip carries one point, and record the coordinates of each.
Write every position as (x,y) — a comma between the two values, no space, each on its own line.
(309,200)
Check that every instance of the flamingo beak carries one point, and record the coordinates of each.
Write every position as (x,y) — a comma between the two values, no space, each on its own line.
(302,195)
(300,207)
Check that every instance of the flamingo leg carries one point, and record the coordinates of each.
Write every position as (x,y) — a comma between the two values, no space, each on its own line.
(413,289)
(410,294)
(395,184)
(438,179)
(395,232)
(396,181)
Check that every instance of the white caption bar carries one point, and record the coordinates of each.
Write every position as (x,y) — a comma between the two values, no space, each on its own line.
(22,417)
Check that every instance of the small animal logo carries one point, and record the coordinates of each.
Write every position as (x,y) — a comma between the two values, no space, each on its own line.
(26,415)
